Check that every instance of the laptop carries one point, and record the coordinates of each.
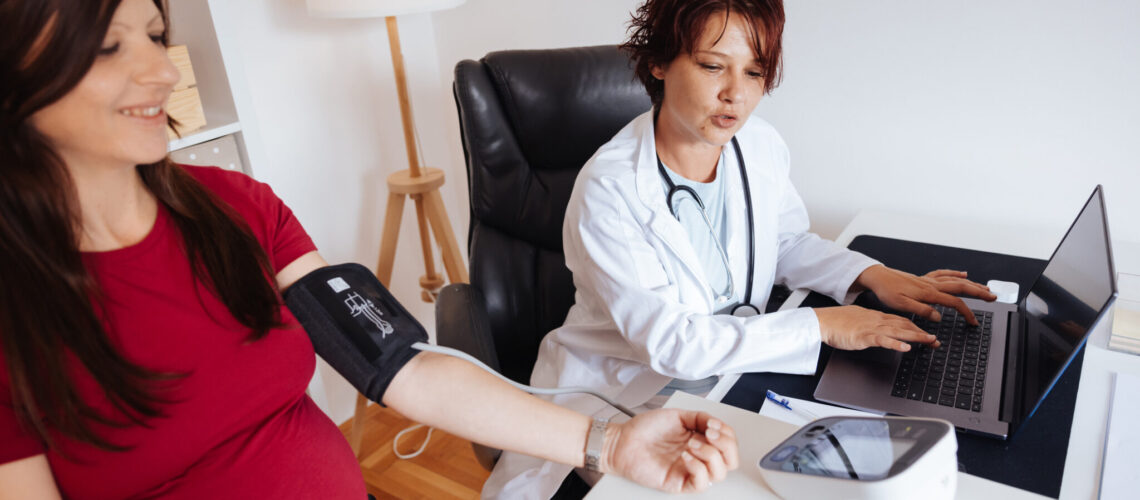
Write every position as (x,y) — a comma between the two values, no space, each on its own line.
(991,378)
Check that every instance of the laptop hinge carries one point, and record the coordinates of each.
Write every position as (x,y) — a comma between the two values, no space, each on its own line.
(1011,376)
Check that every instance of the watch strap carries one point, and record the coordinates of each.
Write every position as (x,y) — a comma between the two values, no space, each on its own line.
(594,443)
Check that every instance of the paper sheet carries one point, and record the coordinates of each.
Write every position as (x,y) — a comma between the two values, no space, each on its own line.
(1122,441)
(820,410)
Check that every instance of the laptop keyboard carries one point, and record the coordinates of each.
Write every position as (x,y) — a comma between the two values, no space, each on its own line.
(953,374)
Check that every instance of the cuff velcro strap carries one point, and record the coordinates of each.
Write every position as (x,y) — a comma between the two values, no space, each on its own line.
(356,325)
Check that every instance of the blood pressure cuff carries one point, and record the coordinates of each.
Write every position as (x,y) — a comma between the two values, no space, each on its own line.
(355,325)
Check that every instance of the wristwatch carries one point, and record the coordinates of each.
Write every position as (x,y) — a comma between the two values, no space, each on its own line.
(594,443)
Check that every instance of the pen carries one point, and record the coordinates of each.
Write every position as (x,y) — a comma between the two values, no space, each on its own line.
(783,402)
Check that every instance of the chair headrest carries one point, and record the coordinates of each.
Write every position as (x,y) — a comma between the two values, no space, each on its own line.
(565,103)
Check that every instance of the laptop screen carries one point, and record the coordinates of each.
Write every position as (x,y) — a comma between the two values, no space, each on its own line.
(1065,302)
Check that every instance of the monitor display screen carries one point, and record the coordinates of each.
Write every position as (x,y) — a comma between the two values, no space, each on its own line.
(852,449)
(1064,303)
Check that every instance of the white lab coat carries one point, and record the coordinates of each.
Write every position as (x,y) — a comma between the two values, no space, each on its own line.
(643,311)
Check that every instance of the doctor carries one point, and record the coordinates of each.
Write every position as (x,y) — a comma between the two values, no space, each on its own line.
(678,227)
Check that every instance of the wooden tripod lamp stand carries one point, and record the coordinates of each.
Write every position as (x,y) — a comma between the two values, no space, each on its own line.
(421,184)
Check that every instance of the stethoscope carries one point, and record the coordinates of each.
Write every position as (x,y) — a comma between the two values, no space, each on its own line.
(744,308)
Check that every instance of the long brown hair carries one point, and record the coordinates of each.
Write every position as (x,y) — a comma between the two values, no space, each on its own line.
(661,30)
(48,299)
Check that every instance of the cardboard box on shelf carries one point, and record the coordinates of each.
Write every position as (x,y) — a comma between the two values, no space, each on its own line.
(180,56)
(185,104)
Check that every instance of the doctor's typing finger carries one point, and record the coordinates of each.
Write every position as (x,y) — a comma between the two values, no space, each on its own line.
(917,299)
(961,286)
(888,342)
(945,273)
(855,328)
(945,299)
(899,290)
(922,306)
(898,339)
(904,331)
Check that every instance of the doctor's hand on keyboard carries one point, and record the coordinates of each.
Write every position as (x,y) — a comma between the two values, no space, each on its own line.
(918,294)
(854,328)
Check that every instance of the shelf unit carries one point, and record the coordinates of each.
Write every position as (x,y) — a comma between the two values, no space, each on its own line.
(209,30)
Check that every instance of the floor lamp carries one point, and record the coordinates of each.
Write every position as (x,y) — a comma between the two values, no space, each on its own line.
(421,184)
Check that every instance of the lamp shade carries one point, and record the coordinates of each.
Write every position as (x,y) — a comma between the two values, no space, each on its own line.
(376,8)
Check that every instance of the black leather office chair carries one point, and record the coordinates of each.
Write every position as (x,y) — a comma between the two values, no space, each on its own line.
(530,120)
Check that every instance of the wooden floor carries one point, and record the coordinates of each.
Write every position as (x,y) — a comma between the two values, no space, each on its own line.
(446,469)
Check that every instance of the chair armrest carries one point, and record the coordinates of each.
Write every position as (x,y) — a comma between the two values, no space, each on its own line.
(461,322)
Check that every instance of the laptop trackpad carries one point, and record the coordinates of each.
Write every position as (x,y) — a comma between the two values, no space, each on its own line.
(877,355)
(869,365)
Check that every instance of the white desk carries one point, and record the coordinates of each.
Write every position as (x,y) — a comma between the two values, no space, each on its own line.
(1086,440)
(757,434)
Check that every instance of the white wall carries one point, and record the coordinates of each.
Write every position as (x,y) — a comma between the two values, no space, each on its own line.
(981,109)
(327,114)
(1008,109)
(997,109)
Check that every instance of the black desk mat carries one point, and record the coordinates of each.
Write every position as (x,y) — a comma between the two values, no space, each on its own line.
(1032,459)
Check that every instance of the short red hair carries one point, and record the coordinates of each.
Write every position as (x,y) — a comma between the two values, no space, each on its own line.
(661,29)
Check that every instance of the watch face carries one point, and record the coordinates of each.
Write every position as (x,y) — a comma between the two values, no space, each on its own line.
(863,449)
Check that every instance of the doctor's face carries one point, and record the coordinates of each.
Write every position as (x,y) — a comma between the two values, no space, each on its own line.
(711,92)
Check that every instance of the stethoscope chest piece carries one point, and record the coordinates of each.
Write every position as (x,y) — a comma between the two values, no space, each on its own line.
(743,310)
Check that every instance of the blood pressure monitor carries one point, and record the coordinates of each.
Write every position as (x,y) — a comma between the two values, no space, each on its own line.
(865,458)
